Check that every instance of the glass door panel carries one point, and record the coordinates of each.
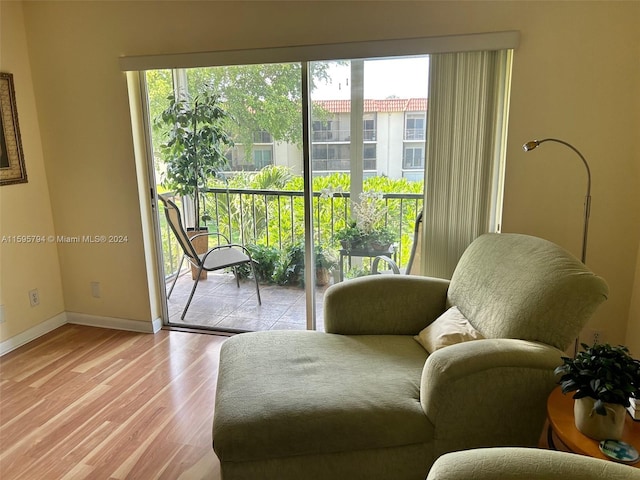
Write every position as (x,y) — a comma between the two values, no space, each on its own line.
(249,190)
(368,144)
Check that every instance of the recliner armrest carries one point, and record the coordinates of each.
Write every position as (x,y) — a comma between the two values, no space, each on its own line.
(384,305)
(489,392)
(519,463)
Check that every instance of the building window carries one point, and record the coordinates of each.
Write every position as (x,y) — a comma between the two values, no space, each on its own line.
(239,159)
(262,137)
(415,126)
(331,157)
(262,156)
(369,127)
(413,157)
(369,154)
(322,131)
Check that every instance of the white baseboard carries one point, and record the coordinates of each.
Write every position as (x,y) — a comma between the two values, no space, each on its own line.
(156,324)
(78,319)
(33,333)
(111,322)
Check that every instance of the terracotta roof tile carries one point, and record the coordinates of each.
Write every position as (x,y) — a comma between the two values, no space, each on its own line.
(381,106)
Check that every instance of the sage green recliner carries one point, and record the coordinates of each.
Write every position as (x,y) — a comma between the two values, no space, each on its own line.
(366,401)
(526,463)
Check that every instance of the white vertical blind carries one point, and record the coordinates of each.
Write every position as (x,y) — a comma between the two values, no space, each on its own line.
(467,98)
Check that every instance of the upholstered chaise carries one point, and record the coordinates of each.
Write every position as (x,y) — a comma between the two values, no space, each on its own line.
(526,464)
(366,401)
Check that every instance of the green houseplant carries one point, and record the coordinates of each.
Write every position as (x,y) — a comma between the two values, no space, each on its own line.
(326,260)
(290,269)
(603,378)
(194,151)
(195,146)
(350,236)
(367,229)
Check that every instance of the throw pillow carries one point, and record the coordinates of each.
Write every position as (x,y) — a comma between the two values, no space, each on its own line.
(449,328)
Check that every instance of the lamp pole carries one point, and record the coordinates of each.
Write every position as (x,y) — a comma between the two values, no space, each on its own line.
(587,202)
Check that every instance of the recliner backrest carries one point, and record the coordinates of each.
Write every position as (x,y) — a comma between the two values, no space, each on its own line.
(517,286)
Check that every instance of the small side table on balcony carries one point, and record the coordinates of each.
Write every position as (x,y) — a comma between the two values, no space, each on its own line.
(363,253)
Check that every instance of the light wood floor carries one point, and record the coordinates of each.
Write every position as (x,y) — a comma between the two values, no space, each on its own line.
(93,403)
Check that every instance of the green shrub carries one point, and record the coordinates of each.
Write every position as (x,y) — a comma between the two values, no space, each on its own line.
(267,259)
(290,270)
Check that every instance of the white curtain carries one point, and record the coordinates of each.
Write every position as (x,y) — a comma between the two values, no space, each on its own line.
(466,130)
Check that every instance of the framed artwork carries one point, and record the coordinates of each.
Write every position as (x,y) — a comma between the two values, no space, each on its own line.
(11,158)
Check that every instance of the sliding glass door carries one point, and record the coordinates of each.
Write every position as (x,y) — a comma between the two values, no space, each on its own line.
(366,144)
(319,166)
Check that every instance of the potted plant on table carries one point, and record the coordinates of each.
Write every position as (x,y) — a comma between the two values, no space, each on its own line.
(350,236)
(604,378)
(367,229)
(194,151)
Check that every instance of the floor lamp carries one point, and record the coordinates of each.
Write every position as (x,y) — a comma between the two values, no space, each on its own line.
(587,202)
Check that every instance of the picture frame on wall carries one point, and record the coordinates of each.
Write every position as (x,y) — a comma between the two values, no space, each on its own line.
(12,168)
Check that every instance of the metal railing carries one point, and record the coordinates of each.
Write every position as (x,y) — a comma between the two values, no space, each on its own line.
(276,218)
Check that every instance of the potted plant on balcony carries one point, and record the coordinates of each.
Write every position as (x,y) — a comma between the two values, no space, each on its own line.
(326,260)
(603,378)
(381,239)
(350,236)
(367,229)
(194,150)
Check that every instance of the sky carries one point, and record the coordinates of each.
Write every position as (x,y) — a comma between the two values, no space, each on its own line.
(406,77)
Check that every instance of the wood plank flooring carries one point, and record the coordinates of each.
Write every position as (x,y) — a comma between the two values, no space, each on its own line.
(90,403)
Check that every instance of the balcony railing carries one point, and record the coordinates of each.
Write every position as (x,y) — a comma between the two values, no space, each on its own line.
(276,218)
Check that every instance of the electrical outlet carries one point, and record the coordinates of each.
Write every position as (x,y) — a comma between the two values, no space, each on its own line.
(34,297)
(95,289)
(597,336)
(2,319)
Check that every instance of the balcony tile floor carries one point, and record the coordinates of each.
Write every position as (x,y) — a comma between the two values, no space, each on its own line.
(219,303)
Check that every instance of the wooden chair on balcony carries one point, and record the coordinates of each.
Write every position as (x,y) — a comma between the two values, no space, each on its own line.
(413,266)
(222,256)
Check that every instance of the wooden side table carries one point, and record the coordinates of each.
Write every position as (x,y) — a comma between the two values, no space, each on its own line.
(562,433)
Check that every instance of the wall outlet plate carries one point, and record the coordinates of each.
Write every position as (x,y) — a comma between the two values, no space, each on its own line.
(34,297)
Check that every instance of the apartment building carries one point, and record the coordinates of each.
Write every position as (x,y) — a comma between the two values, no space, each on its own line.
(393,141)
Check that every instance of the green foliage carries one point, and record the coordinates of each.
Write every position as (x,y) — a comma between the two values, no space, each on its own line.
(325,257)
(278,219)
(290,270)
(286,267)
(357,272)
(350,235)
(368,228)
(605,373)
(266,97)
(244,100)
(196,141)
(267,259)
(160,87)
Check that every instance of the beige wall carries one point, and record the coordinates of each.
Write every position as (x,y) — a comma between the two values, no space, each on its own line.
(633,330)
(25,208)
(575,77)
